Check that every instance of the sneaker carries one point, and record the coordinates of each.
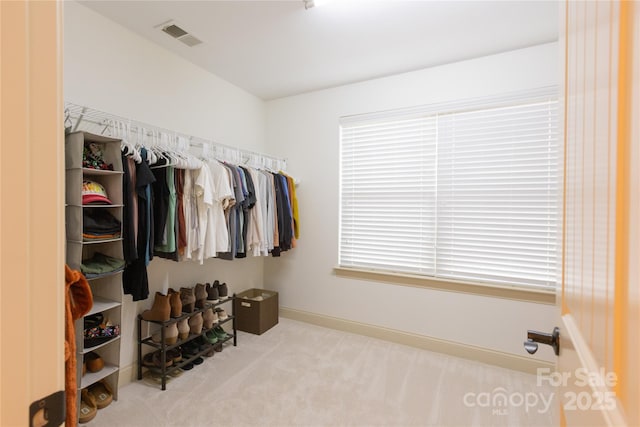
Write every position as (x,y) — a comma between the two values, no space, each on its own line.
(190,349)
(220,333)
(202,343)
(223,291)
(222,315)
(211,336)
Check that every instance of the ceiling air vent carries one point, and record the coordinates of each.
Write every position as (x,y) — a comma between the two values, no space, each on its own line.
(174,31)
(179,34)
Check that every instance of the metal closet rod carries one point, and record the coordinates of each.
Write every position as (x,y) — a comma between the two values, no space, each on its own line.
(76,114)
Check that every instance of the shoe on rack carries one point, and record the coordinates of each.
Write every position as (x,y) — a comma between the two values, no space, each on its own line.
(101,393)
(195,323)
(175,355)
(175,303)
(183,329)
(187,367)
(198,361)
(188,299)
(221,334)
(88,407)
(222,315)
(207,318)
(190,349)
(211,336)
(202,343)
(160,310)
(212,292)
(171,333)
(201,295)
(147,360)
(223,291)
(154,360)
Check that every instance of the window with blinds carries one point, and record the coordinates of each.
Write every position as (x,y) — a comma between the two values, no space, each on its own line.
(469,194)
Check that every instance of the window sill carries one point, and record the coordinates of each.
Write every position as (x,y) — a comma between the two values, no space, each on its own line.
(540,296)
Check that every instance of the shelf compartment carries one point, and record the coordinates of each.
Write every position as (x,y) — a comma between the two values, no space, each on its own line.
(102,304)
(74,217)
(74,148)
(93,377)
(111,183)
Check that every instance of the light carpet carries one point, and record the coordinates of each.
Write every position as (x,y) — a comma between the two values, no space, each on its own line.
(297,374)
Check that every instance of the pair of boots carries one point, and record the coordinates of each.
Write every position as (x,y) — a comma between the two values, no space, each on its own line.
(195,323)
(193,298)
(164,307)
(217,291)
(171,334)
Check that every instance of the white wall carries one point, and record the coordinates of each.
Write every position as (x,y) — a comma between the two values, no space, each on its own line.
(109,68)
(305,130)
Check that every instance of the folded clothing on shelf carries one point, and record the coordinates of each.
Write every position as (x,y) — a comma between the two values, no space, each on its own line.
(99,224)
(100,264)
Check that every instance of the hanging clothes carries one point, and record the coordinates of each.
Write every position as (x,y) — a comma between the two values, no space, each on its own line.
(130,211)
(167,248)
(134,278)
(210,209)
(182,231)
(294,206)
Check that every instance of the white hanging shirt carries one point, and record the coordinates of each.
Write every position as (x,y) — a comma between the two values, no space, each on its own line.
(206,198)
(223,199)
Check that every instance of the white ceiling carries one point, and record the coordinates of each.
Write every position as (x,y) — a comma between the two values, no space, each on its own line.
(274,49)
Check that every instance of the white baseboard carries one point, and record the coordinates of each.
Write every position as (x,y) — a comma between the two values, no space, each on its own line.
(128,374)
(479,354)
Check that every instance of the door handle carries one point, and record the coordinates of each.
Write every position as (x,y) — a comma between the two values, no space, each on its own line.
(535,337)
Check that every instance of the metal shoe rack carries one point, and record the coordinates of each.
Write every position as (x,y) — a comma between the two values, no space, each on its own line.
(163,370)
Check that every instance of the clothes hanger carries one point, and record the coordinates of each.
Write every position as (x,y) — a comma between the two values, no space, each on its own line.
(125,145)
(135,153)
(142,136)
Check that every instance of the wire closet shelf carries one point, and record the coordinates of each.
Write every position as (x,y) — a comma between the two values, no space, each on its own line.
(87,119)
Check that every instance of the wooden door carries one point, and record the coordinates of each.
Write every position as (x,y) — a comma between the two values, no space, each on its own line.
(32,207)
(598,364)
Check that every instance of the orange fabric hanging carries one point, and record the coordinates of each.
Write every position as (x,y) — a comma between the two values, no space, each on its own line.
(78,302)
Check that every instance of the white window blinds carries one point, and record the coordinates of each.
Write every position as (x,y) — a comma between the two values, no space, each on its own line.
(466,194)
